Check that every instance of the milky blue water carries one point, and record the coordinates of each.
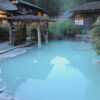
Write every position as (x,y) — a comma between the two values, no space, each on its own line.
(61,70)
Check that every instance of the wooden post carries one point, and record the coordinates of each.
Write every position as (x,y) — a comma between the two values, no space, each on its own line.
(45,32)
(10,35)
(46,36)
(25,30)
(39,35)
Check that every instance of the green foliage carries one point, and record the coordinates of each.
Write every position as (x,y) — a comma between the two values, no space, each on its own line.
(4,26)
(96,35)
(55,28)
(65,28)
(30,27)
(54,7)
(71,28)
(4,32)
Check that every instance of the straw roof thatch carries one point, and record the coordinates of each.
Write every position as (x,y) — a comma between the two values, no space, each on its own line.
(90,6)
(29,17)
(6,5)
(32,5)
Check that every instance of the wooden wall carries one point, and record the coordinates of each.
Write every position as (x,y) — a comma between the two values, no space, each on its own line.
(19,37)
(88,17)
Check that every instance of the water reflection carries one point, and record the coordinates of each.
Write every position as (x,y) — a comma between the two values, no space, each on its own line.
(60,84)
(49,74)
(16,71)
(60,61)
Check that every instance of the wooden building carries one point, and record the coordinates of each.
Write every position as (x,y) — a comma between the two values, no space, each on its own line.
(22,14)
(28,8)
(5,8)
(86,14)
(19,7)
(40,24)
(25,9)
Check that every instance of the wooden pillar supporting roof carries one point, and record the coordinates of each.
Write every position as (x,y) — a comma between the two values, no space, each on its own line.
(10,35)
(45,32)
(46,39)
(39,35)
(32,18)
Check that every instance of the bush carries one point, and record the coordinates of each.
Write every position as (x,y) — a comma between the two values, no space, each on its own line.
(65,28)
(96,36)
(71,29)
(4,32)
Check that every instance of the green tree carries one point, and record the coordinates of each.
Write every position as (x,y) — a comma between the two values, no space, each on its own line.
(96,36)
(54,7)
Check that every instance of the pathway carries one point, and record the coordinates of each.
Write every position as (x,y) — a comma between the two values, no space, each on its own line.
(4,46)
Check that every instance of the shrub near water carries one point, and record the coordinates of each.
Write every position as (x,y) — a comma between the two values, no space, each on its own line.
(4,32)
(64,28)
(54,29)
(71,29)
(96,36)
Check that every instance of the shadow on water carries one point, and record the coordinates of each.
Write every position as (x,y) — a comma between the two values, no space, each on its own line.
(15,71)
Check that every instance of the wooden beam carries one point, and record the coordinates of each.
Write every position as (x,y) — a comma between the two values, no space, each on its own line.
(45,34)
(39,35)
(46,41)
(10,35)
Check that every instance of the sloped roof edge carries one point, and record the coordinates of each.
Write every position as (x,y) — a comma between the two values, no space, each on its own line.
(8,6)
(32,5)
(88,6)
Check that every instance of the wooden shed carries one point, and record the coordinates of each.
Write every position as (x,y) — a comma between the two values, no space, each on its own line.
(18,35)
(28,8)
(86,14)
(5,8)
(16,12)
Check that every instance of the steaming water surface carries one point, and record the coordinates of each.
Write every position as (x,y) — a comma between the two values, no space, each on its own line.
(61,70)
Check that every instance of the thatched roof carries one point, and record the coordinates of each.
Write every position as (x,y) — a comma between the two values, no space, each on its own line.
(32,5)
(29,18)
(90,6)
(4,0)
(6,5)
